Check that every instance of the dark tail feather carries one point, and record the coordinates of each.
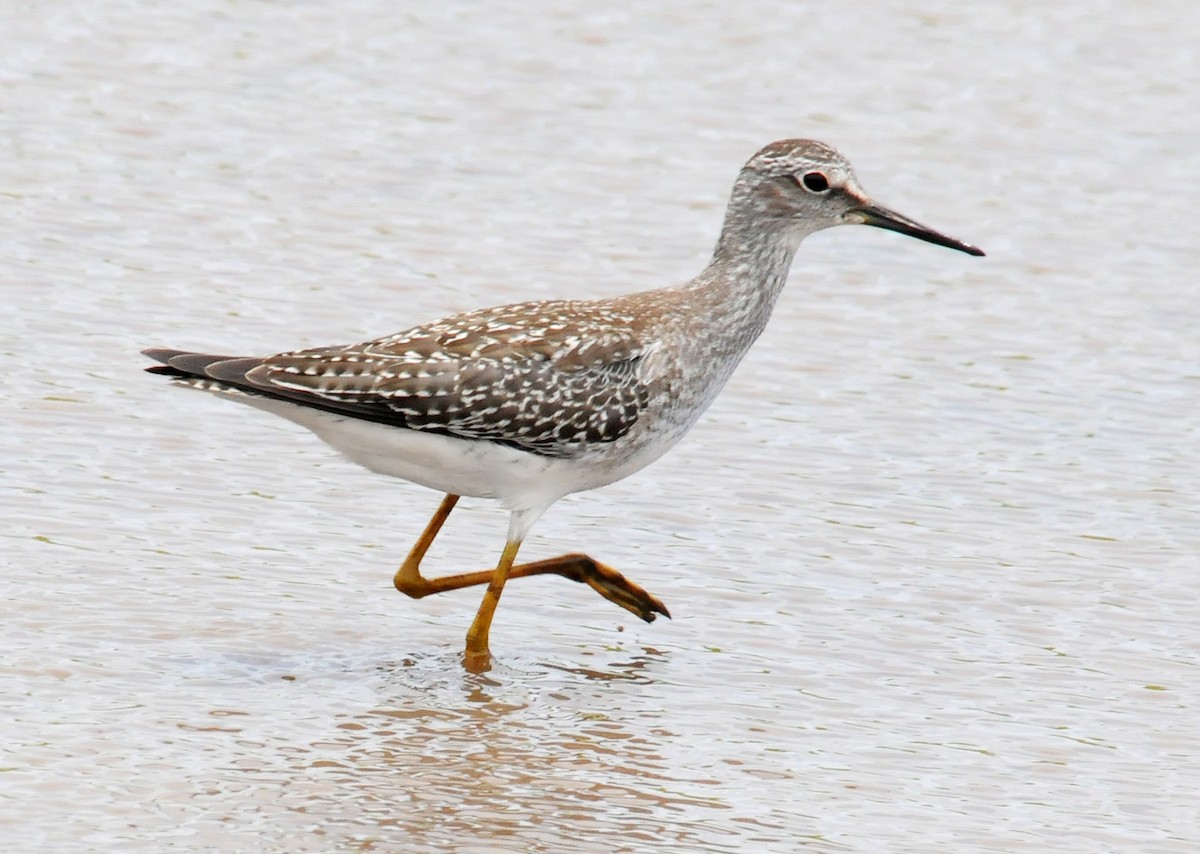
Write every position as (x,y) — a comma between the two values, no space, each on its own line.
(160,354)
(181,363)
(228,373)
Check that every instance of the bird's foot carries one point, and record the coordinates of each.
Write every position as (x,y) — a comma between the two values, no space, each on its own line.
(613,586)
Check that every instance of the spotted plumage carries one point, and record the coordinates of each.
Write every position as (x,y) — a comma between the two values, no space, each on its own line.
(530,402)
(551,378)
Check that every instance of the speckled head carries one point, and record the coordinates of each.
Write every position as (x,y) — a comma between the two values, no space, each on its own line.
(789,156)
(802,186)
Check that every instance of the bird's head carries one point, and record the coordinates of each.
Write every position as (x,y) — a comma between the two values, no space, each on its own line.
(805,186)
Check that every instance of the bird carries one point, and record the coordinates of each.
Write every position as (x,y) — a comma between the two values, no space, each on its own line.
(529,402)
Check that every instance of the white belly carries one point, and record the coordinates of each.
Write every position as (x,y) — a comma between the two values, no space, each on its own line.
(518,479)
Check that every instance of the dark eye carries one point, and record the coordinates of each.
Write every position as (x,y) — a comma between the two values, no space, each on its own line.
(815,182)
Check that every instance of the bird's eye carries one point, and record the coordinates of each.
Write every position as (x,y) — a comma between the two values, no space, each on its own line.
(814,182)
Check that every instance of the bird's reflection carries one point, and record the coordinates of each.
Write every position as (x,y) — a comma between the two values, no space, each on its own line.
(449,755)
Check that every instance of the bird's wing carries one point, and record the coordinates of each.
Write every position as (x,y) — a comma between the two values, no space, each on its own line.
(550,378)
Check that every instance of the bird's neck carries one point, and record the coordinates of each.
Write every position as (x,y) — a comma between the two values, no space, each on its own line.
(749,267)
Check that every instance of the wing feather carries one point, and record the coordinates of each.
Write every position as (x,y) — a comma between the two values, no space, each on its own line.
(548,378)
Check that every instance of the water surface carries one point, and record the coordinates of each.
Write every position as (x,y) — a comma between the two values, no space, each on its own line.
(931,557)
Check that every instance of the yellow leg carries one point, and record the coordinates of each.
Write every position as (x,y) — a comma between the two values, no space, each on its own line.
(478,658)
(605,580)
(408,579)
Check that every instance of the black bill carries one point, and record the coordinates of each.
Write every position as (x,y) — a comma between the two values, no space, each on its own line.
(881,217)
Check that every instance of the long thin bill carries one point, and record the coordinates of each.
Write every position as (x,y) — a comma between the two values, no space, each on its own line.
(881,217)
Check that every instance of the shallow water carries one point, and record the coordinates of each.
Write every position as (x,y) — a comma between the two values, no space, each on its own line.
(931,557)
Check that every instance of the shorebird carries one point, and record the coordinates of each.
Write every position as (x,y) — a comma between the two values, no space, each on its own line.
(530,402)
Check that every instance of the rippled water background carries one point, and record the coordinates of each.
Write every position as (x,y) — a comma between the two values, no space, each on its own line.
(932,557)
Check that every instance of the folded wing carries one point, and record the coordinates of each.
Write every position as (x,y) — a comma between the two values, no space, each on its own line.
(548,381)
